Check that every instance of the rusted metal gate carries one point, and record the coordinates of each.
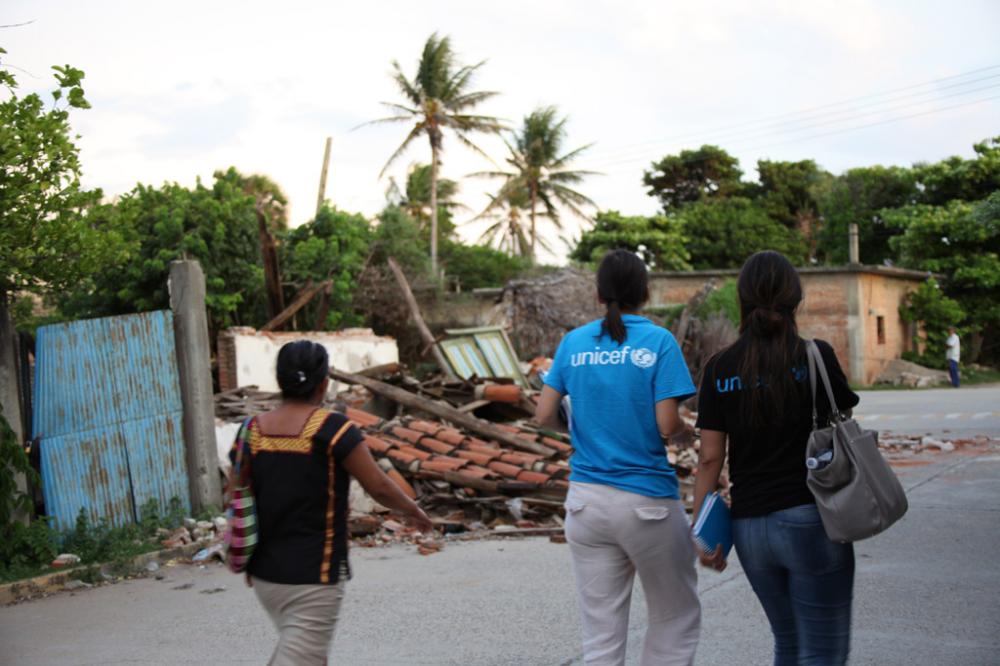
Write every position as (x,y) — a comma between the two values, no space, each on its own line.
(108,416)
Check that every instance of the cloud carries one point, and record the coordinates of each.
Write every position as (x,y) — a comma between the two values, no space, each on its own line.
(184,88)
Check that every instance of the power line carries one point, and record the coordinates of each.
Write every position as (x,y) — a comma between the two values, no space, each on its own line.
(740,138)
(848,129)
(792,117)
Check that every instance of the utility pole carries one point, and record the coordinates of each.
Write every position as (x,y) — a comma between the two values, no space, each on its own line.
(322,175)
(187,300)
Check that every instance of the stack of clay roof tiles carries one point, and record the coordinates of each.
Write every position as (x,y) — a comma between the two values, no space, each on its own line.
(421,449)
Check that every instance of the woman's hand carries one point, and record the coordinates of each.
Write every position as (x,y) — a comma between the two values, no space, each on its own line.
(715,560)
(418,519)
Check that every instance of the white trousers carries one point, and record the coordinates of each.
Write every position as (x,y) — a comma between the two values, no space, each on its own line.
(305,617)
(612,535)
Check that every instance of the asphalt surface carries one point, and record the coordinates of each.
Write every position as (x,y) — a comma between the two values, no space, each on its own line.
(927,592)
(955,412)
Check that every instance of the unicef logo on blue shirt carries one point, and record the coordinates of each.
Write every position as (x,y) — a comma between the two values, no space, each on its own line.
(643,358)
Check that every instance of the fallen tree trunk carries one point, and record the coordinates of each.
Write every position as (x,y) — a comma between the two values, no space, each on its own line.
(418,319)
(461,419)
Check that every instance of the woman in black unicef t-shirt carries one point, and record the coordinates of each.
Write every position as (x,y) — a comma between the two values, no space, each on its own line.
(755,395)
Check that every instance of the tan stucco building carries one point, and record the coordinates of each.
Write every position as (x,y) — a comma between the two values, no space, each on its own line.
(855,308)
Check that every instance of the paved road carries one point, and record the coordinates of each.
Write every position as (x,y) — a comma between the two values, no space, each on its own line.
(961,412)
(927,593)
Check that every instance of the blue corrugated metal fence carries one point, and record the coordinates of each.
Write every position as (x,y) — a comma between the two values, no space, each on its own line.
(108,415)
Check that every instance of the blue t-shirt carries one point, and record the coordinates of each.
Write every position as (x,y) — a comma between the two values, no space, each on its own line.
(614,390)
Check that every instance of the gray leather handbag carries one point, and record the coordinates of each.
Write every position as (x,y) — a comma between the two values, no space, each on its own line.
(857,493)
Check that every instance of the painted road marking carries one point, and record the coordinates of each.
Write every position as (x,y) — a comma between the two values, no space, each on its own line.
(927,417)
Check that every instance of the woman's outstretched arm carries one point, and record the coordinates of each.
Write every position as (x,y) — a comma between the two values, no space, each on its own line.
(382,489)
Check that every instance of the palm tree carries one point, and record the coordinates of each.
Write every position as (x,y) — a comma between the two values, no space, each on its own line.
(438,98)
(416,199)
(541,174)
(509,231)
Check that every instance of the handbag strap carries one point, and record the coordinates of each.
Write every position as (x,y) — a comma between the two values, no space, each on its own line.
(816,364)
(243,455)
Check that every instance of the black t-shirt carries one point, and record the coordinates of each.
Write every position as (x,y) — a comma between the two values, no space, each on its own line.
(301,489)
(767,464)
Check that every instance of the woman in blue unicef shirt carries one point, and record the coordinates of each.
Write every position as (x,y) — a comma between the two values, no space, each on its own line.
(626,377)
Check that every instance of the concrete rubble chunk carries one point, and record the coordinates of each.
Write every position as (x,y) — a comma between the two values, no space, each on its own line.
(934,443)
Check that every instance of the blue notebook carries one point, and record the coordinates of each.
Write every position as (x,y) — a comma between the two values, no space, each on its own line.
(713,526)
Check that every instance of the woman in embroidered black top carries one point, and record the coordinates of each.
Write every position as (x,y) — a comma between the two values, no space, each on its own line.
(301,460)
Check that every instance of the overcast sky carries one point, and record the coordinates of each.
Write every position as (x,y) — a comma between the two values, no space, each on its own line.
(180,89)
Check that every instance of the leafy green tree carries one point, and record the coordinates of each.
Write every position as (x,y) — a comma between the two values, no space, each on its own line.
(935,312)
(46,242)
(399,236)
(476,266)
(332,246)
(960,241)
(723,233)
(541,173)
(438,98)
(217,226)
(787,192)
(962,179)
(860,195)
(706,173)
(659,240)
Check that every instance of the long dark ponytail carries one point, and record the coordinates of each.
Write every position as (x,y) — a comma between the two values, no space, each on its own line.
(769,292)
(622,284)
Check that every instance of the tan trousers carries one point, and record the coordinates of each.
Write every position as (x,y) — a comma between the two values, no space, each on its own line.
(305,617)
(612,535)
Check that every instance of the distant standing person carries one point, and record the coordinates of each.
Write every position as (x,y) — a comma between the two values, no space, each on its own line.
(953,353)
(301,460)
(626,377)
(755,396)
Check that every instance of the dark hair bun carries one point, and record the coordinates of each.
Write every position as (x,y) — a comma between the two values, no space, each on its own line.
(302,367)
(765,322)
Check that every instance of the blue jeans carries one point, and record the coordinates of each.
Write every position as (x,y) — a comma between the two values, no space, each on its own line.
(803,580)
(953,373)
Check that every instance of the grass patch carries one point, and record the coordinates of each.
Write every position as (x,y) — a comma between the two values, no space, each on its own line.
(33,547)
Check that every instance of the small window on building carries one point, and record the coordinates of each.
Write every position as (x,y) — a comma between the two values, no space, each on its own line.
(880,327)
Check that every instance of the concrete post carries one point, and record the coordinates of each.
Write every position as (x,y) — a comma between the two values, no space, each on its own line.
(187,300)
(854,248)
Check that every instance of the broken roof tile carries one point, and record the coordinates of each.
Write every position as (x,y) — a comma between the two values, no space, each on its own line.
(443,464)
(533,477)
(477,472)
(428,427)
(377,445)
(403,484)
(450,436)
(415,452)
(436,445)
(520,458)
(362,418)
(478,457)
(505,469)
(411,436)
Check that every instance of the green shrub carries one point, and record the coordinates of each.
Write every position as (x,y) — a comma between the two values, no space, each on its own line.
(722,300)
(477,266)
(929,307)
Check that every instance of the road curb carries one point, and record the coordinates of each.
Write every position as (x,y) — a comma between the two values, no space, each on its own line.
(48,584)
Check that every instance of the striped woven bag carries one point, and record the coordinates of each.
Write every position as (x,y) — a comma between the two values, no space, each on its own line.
(241,536)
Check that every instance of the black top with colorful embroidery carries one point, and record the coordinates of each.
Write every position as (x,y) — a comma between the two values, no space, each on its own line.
(301,490)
